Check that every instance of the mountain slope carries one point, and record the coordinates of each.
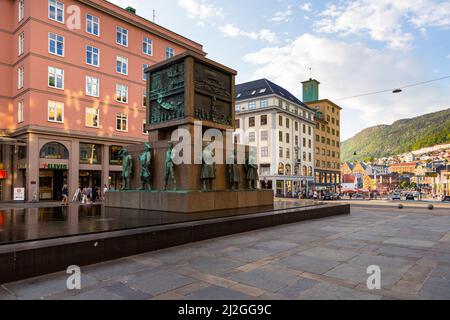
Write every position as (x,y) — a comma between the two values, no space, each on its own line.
(400,137)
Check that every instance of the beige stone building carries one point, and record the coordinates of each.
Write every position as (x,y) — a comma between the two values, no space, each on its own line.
(281,128)
(327,148)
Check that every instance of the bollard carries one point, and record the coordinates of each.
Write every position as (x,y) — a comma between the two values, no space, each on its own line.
(400,206)
(430,207)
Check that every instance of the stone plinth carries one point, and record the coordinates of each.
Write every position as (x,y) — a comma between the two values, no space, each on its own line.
(189,201)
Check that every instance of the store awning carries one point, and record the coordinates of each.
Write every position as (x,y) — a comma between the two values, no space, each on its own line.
(12,141)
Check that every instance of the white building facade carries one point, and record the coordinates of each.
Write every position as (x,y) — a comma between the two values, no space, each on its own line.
(280,128)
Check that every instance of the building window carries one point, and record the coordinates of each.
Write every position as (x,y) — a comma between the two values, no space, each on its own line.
(287,138)
(251,121)
(55,112)
(170,52)
(122,65)
(251,137)
(287,123)
(280,121)
(92,25)
(144,75)
(304,156)
(54,150)
(264,103)
(322,139)
(147,46)
(304,142)
(237,138)
(92,118)
(280,136)
(92,56)
(296,126)
(309,130)
(251,105)
(296,140)
(21,43)
(55,78)
(280,152)
(21,10)
(92,86)
(317,150)
(20,112)
(122,93)
(144,124)
(122,36)
(56,44)
(309,143)
(144,98)
(238,108)
(90,153)
(121,122)
(264,151)
(288,153)
(237,123)
(20,76)
(263,120)
(264,135)
(56,10)
(114,155)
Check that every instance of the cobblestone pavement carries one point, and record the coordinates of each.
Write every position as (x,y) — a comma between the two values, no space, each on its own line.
(318,259)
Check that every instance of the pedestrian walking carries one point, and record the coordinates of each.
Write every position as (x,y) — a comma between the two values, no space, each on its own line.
(65,195)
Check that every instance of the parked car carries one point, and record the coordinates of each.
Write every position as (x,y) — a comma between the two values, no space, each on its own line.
(396,196)
(359,196)
(337,196)
(410,196)
(446,199)
(328,196)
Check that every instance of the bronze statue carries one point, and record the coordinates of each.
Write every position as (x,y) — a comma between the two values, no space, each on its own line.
(170,167)
(146,172)
(252,171)
(127,168)
(208,173)
(234,175)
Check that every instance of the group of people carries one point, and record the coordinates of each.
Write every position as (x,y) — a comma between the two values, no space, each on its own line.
(84,195)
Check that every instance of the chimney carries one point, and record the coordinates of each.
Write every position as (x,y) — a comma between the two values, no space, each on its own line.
(310,90)
(131,10)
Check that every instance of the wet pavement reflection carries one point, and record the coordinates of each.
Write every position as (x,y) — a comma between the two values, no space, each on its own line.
(18,225)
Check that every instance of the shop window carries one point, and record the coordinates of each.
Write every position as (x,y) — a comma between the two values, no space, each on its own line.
(54,150)
(90,153)
(114,156)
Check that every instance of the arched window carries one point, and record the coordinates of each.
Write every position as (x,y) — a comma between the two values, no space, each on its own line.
(54,150)
(288,170)
(296,170)
(280,169)
(304,171)
(310,171)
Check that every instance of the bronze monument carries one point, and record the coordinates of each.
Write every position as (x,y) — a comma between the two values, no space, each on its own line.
(192,95)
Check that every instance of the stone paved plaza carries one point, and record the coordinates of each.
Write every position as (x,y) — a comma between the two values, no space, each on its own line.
(319,259)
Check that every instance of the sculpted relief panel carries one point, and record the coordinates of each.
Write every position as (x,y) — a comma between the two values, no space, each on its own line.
(167,94)
(212,95)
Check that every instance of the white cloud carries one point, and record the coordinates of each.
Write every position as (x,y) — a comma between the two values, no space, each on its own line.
(306,7)
(348,69)
(232,31)
(200,9)
(384,20)
(283,16)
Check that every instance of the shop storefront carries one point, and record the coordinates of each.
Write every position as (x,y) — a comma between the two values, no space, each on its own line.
(90,179)
(52,178)
(53,170)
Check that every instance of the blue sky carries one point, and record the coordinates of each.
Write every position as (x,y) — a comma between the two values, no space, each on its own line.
(353,47)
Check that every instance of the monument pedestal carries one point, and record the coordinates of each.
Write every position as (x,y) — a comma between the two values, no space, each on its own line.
(189,201)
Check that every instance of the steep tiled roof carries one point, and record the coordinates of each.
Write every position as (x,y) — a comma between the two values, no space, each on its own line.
(264,87)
